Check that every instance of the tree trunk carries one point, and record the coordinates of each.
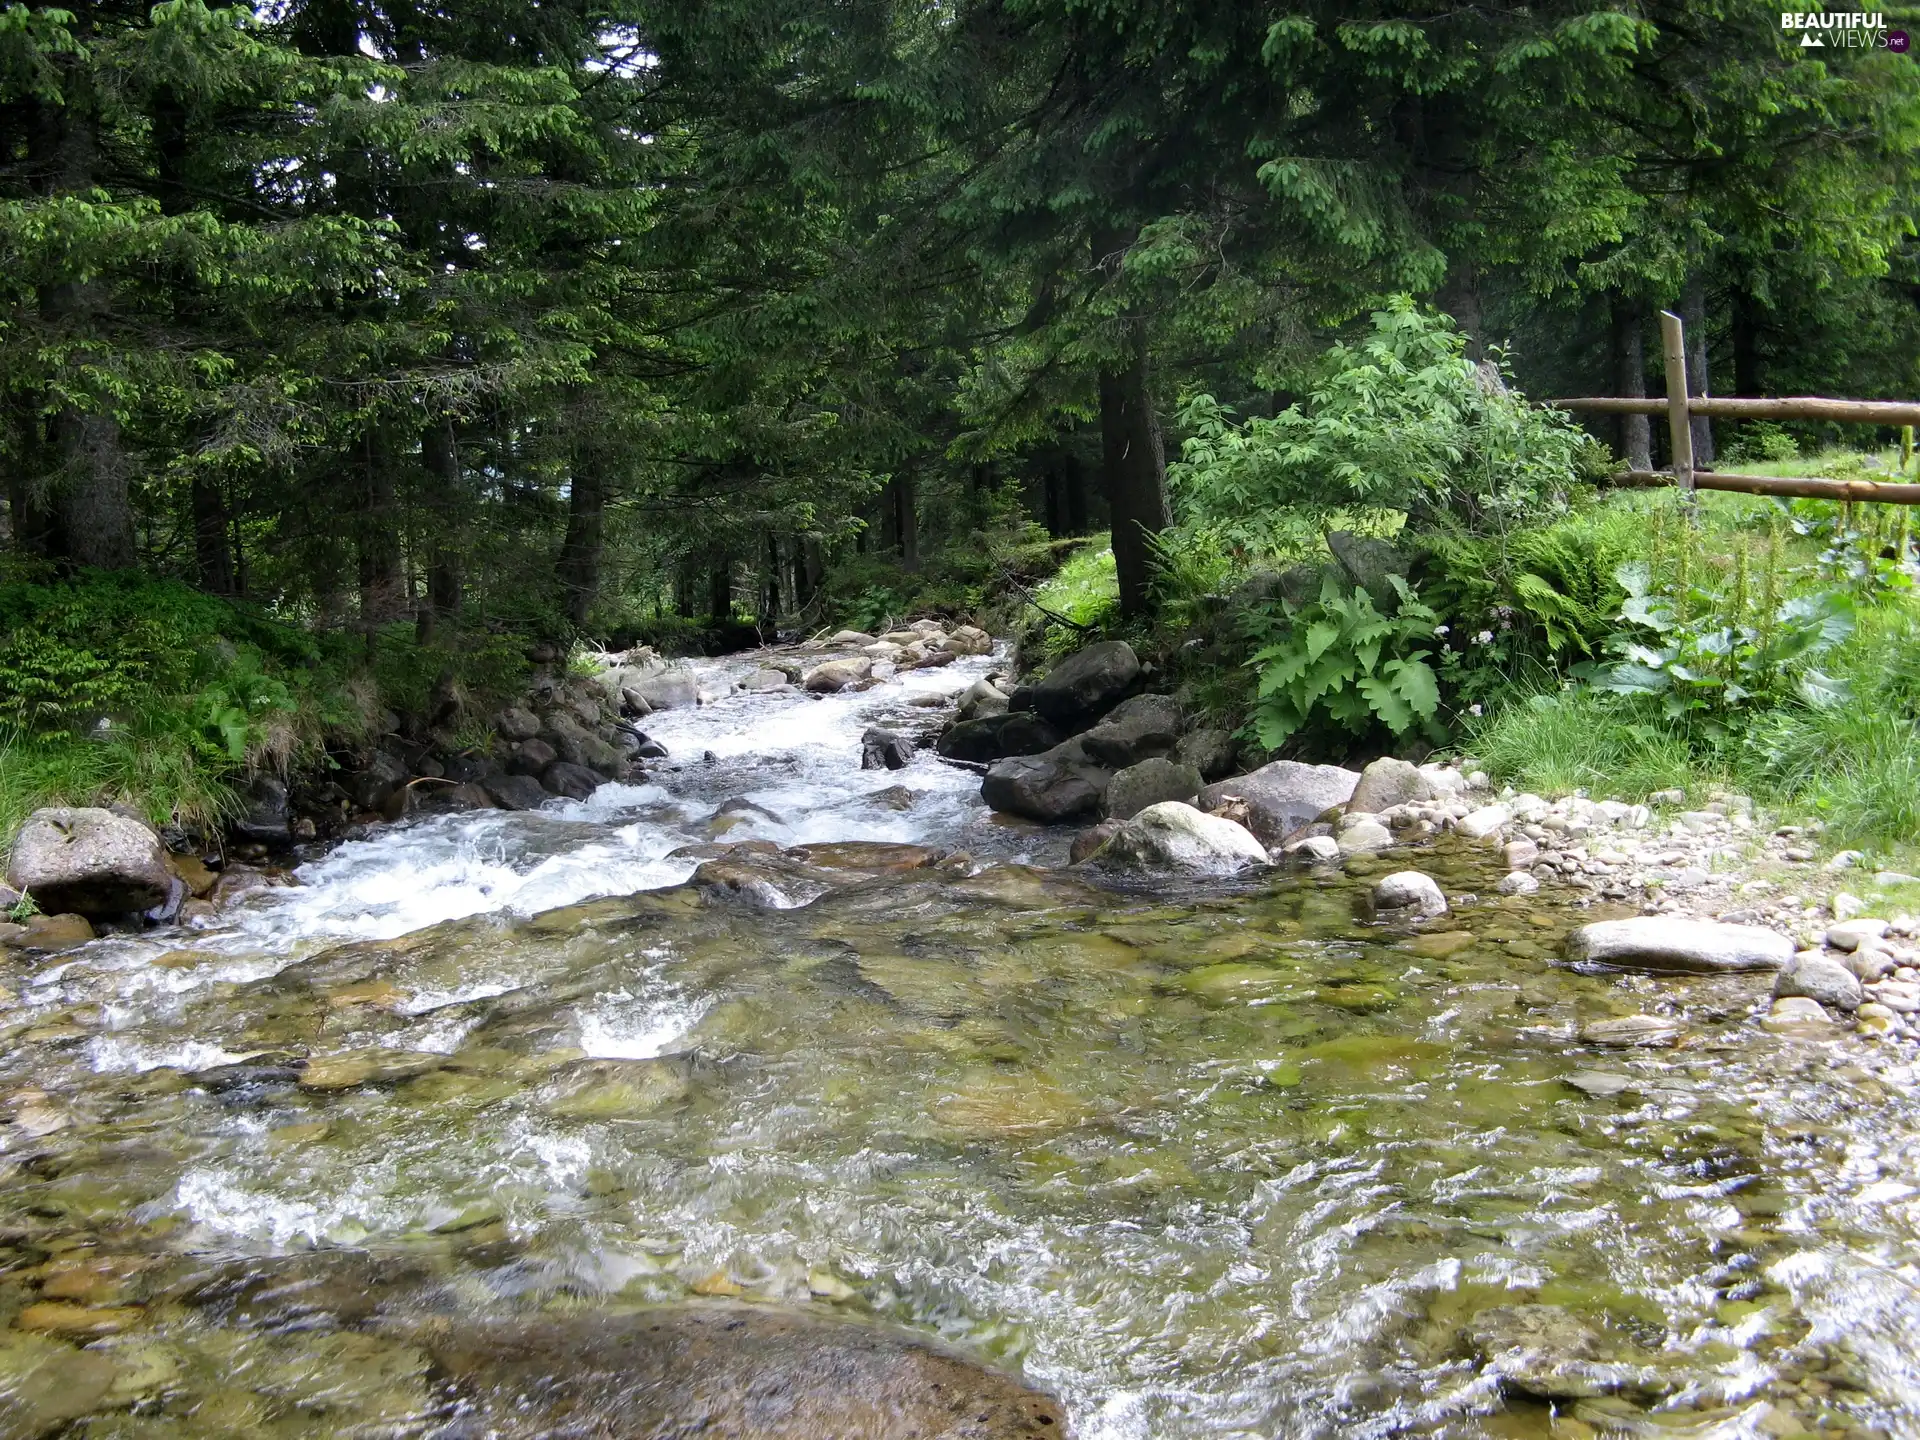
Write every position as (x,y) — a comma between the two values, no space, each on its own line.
(213,556)
(440,461)
(1133,472)
(720,589)
(904,519)
(770,595)
(1460,298)
(90,466)
(382,597)
(1630,379)
(580,552)
(1747,379)
(1693,313)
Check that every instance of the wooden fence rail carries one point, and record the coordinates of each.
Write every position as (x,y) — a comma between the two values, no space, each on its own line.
(1679,408)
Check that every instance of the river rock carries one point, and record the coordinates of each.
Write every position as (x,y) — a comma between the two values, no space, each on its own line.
(882,749)
(676,689)
(980,700)
(1311,850)
(1485,823)
(1661,942)
(850,640)
(967,640)
(456,799)
(54,932)
(732,1372)
(1409,894)
(1818,978)
(1517,882)
(265,814)
(353,1068)
(1632,1030)
(1056,785)
(837,675)
(530,757)
(1149,783)
(1386,783)
(1087,684)
(1368,563)
(1793,1012)
(515,792)
(1088,841)
(1283,796)
(1211,752)
(1363,836)
(1141,728)
(515,723)
(996,736)
(1547,1352)
(1520,854)
(759,682)
(574,782)
(88,861)
(1852,934)
(374,783)
(1175,837)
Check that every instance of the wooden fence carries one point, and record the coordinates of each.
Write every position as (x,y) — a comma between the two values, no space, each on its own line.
(1679,408)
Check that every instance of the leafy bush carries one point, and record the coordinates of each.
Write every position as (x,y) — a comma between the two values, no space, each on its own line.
(1340,656)
(1401,420)
(1698,651)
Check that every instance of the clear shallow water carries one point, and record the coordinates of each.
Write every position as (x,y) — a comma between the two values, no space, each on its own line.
(1223,1162)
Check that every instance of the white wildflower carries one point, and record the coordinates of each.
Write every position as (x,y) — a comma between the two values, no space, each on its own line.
(1475,710)
(1485,637)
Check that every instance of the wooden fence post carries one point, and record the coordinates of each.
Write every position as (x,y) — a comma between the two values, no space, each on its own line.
(1679,423)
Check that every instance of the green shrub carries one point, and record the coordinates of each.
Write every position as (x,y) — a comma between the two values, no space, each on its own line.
(1400,420)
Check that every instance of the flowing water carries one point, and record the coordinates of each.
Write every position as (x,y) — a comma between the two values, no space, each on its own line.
(1222,1161)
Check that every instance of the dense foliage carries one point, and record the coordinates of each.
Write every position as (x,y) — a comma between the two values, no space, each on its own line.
(508,323)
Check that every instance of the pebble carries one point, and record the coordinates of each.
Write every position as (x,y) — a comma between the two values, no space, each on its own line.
(1795,1010)
(1517,882)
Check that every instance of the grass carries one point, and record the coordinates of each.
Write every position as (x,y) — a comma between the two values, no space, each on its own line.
(143,766)
(1854,766)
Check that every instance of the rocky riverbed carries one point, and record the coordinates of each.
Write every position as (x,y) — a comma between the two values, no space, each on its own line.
(1320,1102)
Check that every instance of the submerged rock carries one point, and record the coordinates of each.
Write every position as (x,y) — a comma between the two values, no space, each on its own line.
(1551,1354)
(89,861)
(1659,942)
(721,1370)
(1173,837)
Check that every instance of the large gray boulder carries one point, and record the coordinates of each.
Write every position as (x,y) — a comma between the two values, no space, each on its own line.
(1172,838)
(1660,942)
(1283,796)
(995,737)
(1057,785)
(1149,783)
(1386,783)
(88,861)
(516,723)
(1368,563)
(572,782)
(1087,684)
(1135,730)
(668,690)
(883,749)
